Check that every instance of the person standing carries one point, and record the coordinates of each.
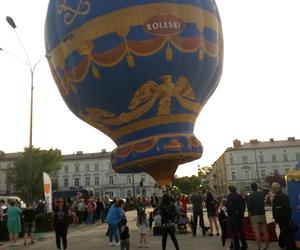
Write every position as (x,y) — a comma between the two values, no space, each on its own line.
(184,203)
(100,210)
(154,201)
(114,217)
(169,214)
(235,209)
(2,215)
(143,226)
(282,215)
(223,221)
(150,219)
(197,203)
(13,222)
(60,223)
(257,214)
(28,218)
(212,213)
(90,211)
(124,235)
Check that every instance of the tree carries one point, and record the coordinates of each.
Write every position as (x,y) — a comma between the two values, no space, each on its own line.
(186,184)
(42,161)
(276,178)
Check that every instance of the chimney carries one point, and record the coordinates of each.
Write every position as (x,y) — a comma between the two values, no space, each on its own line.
(79,152)
(291,138)
(237,143)
(271,139)
(103,150)
(254,141)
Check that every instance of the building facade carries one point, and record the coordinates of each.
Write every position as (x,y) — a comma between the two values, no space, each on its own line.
(94,171)
(89,170)
(6,162)
(250,162)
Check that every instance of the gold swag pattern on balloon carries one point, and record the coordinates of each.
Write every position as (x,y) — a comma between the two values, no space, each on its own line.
(145,98)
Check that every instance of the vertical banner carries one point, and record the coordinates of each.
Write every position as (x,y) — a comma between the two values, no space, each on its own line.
(293,188)
(47,192)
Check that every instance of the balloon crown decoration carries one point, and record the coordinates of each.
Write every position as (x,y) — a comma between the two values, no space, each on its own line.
(140,72)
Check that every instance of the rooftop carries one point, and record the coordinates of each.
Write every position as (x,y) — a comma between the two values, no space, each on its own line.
(79,155)
(256,144)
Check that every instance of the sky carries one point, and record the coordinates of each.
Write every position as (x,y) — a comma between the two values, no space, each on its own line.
(257,97)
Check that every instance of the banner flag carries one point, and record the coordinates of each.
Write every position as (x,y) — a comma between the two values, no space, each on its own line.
(47,192)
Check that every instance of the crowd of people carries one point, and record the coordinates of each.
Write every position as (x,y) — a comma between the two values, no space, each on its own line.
(226,216)
(12,218)
(168,215)
(229,212)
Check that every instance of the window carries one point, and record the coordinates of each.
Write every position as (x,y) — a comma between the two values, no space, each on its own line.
(275,171)
(245,159)
(76,183)
(97,167)
(231,160)
(261,158)
(96,181)
(233,176)
(247,175)
(87,181)
(128,179)
(263,173)
(274,158)
(66,182)
(76,168)
(66,169)
(297,156)
(143,179)
(87,167)
(111,180)
(109,194)
(285,157)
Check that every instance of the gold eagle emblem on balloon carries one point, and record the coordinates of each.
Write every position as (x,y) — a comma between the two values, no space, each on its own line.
(145,98)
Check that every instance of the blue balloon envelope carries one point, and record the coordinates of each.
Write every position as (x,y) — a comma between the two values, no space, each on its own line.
(140,71)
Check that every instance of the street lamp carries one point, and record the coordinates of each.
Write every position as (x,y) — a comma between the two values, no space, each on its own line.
(31,68)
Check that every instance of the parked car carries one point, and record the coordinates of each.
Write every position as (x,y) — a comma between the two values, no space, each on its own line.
(7,199)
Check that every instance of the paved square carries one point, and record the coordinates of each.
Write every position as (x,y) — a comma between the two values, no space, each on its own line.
(92,237)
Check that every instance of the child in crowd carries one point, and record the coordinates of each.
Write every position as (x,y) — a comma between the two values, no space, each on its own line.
(142,224)
(124,235)
(223,220)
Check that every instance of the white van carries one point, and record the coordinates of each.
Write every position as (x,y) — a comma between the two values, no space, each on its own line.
(9,198)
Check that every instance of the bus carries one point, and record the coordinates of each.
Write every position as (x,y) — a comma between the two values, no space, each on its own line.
(72,194)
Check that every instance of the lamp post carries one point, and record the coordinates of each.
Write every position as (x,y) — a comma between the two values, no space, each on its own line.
(31,68)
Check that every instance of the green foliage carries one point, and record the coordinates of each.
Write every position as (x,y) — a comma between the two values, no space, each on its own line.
(42,161)
(187,184)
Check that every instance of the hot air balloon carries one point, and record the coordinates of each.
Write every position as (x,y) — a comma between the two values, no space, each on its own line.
(140,71)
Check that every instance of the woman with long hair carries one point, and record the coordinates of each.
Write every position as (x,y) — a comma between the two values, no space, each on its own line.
(169,214)
(143,226)
(212,213)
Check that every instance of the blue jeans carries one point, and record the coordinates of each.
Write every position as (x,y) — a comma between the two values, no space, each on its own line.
(90,217)
(113,231)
